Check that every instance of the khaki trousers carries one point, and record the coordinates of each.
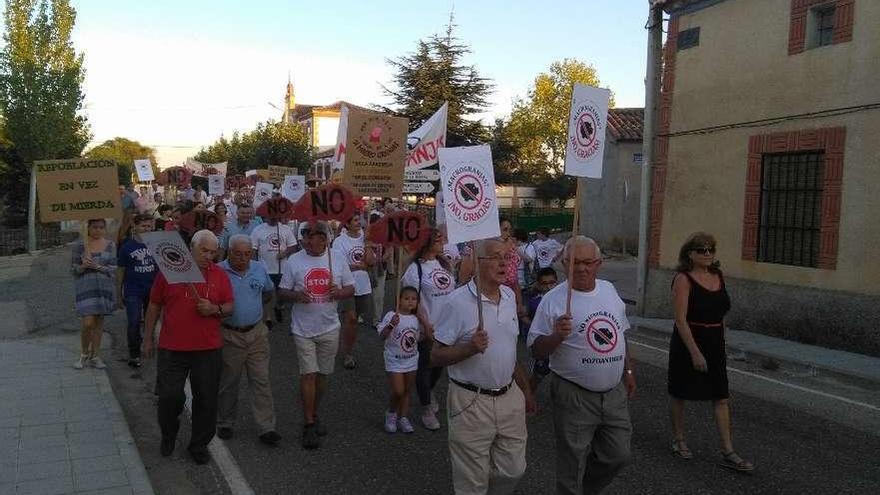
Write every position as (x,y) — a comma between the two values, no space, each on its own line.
(487,440)
(593,434)
(246,351)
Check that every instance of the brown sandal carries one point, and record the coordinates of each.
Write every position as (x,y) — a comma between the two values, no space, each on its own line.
(732,460)
(681,450)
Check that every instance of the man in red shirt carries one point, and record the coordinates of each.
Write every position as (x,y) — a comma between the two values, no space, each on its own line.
(190,344)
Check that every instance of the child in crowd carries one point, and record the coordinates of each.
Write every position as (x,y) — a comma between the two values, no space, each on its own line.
(401,331)
(544,281)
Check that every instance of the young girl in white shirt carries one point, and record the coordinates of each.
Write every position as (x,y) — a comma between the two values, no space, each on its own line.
(402,330)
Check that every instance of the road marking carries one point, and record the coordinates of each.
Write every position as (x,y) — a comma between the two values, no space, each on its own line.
(228,467)
(779,382)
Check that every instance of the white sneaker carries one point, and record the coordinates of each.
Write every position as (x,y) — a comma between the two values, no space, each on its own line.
(390,422)
(404,425)
(80,363)
(96,363)
(434,405)
(429,419)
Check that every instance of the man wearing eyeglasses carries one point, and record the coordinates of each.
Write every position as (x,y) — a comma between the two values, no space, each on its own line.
(488,393)
(592,373)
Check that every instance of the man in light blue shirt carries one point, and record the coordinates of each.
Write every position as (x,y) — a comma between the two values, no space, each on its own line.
(246,342)
(244,223)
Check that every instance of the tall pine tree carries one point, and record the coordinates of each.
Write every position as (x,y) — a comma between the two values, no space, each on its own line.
(435,73)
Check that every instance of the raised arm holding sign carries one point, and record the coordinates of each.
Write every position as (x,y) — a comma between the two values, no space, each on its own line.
(402,229)
(328,202)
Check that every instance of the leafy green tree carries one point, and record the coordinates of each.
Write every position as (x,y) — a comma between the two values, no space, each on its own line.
(433,74)
(124,152)
(271,143)
(41,96)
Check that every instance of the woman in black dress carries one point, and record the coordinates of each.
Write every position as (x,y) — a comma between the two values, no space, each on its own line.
(697,358)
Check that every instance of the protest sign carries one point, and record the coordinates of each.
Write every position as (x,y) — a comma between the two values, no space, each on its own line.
(77,189)
(425,142)
(293,187)
(328,202)
(407,229)
(338,161)
(587,120)
(144,170)
(375,150)
(175,176)
(235,182)
(172,256)
(468,185)
(280,209)
(205,169)
(262,192)
(197,220)
(276,174)
(216,184)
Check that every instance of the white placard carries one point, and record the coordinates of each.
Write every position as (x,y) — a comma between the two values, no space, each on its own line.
(425,142)
(262,192)
(468,184)
(172,257)
(144,170)
(587,120)
(216,184)
(418,187)
(293,187)
(249,173)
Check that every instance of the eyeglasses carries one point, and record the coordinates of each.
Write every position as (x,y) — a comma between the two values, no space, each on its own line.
(497,258)
(707,250)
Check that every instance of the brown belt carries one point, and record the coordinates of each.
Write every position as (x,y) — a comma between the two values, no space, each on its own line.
(244,329)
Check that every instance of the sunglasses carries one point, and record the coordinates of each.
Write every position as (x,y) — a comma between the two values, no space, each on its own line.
(704,250)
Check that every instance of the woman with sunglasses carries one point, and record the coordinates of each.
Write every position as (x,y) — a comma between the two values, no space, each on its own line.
(697,361)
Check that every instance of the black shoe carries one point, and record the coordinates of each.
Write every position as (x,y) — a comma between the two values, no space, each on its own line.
(200,456)
(224,432)
(320,427)
(167,446)
(270,438)
(134,363)
(310,437)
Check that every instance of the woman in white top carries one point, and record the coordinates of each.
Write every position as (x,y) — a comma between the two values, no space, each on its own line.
(430,273)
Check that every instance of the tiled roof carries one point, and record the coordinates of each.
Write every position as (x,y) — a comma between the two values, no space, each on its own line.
(626,123)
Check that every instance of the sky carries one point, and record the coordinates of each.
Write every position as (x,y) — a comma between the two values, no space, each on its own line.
(176,74)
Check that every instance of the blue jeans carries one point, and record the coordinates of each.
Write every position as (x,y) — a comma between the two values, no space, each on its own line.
(135,306)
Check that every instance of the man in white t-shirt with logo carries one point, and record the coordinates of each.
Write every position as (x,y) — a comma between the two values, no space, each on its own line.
(360,257)
(314,322)
(547,249)
(273,242)
(592,373)
(488,393)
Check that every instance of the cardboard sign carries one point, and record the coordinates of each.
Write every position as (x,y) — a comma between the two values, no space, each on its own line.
(262,192)
(172,257)
(276,174)
(175,176)
(375,151)
(216,185)
(280,209)
(144,170)
(407,229)
(77,189)
(587,120)
(294,187)
(197,220)
(328,202)
(468,183)
(235,182)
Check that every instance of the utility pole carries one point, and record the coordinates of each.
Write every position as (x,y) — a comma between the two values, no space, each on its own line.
(652,86)
(32,211)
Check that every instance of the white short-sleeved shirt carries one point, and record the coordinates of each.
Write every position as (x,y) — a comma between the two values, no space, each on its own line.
(493,368)
(451,251)
(545,251)
(527,254)
(402,344)
(303,272)
(353,249)
(269,241)
(593,354)
(435,285)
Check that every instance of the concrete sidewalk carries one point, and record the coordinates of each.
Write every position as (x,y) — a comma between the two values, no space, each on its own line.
(845,364)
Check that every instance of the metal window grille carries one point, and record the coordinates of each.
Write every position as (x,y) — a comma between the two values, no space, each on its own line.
(791,202)
(824,25)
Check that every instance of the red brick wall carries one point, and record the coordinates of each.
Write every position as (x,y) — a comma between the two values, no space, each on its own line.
(830,140)
(800,9)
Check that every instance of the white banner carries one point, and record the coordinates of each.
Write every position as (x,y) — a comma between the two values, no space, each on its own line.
(586,131)
(172,256)
(468,184)
(262,192)
(294,187)
(425,142)
(338,160)
(204,169)
(216,184)
(144,170)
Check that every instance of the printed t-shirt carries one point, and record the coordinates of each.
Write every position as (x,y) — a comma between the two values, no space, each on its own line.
(183,328)
(268,243)
(140,268)
(303,272)
(352,248)
(402,344)
(512,267)
(493,368)
(592,356)
(545,251)
(435,285)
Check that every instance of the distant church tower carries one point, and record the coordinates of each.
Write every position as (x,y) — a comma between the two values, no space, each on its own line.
(289,101)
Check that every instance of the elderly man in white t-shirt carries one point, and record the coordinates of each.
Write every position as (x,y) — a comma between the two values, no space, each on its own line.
(592,373)
(306,281)
(488,393)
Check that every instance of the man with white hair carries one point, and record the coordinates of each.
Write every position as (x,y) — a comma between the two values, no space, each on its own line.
(189,345)
(592,373)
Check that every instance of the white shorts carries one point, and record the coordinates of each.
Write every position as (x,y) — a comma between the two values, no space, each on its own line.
(317,354)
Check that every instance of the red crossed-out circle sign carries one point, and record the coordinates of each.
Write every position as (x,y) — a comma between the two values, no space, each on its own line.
(601,335)
(356,255)
(441,279)
(469,191)
(317,282)
(408,340)
(586,129)
(173,257)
